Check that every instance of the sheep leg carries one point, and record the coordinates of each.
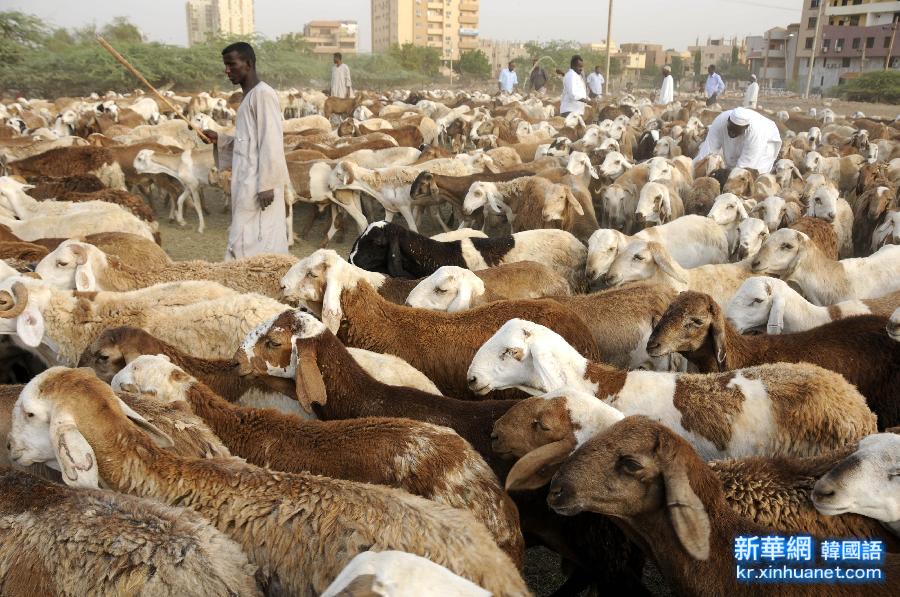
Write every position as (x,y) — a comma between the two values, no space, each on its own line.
(198,207)
(307,227)
(355,210)
(175,211)
(332,228)
(290,224)
(436,212)
(407,214)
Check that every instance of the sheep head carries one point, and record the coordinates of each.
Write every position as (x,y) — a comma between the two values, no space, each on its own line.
(636,468)
(614,165)
(20,309)
(480,194)
(153,374)
(781,253)
(759,301)
(642,260)
(814,162)
(888,232)
(727,210)
(57,414)
(614,205)
(824,203)
(603,247)
(654,205)
(772,210)
(558,200)
(116,347)
(73,265)
(684,327)
(752,233)
(449,288)
(579,163)
(318,281)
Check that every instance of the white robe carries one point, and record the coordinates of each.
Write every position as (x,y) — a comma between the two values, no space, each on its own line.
(341,86)
(573,90)
(666,92)
(751,95)
(595,83)
(757,148)
(255,155)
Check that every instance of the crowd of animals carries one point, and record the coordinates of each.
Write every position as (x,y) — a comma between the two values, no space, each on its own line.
(610,349)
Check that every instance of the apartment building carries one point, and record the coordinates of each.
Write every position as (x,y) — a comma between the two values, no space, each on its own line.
(500,52)
(654,53)
(211,17)
(449,25)
(768,55)
(717,50)
(327,37)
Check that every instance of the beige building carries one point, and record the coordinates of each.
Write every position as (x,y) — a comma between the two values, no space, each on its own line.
(716,50)
(327,37)
(654,53)
(211,17)
(500,52)
(449,25)
(600,46)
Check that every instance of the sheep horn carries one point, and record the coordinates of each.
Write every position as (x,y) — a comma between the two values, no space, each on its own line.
(20,294)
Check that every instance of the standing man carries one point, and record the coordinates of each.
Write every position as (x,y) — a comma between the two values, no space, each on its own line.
(537,79)
(255,155)
(746,139)
(508,78)
(341,86)
(667,91)
(714,85)
(595,82)
(574,95)
(752,93)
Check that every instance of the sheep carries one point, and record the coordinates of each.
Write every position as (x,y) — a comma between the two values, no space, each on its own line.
(443,342)
(77,224)
(776,212)
(826,205)
(649,260)
(842,171)
(28,252)
(695,326)
(765,185)
(728,211)
(543,431)
(857,483)
(703,193)
(739,182)
(751,233)
(893,326)
(246,502)
(785,173)
(49,187)
(792,256)
(187,168)
(390,249)
(423,459)
(451,288)
(68,161)
(763,301)
(401,575)
(888,233)
(203,318)
(81,266)
(820,232)
(671,500)
(873,219)
(60,540)
(657,204)
(805,409)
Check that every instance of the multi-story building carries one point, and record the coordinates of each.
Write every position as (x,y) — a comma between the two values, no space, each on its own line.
(718,50)
(767,55)
(211,17)
(655,55)
(600,46)
(687,62)
(449,25)
(501,52)
(327,37)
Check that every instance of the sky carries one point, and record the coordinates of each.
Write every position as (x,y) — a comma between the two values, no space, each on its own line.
(673,23)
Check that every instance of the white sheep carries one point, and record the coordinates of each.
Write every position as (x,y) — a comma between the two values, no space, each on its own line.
(79,223)
(728,211)
(888,232)
(842,171)
(184,168)
(658,204)
(752,233)
(776,212)
(826,204)
(785,171)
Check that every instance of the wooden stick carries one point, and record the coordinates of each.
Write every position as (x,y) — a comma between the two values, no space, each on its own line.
(121,59)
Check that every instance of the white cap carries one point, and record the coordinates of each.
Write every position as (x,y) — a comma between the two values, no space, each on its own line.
(740,116)
(753,77)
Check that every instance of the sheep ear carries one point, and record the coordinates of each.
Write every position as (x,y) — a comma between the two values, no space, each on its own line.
(30,327)
(85,280)
(73,452)
(796,172)
(395,258)
(159,438)
(664,262)
(570,197)
(463,298)
(308,383)
(535,469)
(688,515)
(775,324)
(332,313)
(546,366)
(742,210)
(717,329)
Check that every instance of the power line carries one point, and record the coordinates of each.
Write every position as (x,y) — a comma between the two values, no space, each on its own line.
(760,5)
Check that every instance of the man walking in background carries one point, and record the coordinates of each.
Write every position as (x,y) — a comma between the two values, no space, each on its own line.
(595,82)
(255,154)
(752,93)
(508,78)
(340,78)
(667,91)
(537,79)
(714,85)
(574,95)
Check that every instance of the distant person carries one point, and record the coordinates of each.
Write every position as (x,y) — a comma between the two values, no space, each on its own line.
(574,94)
(341,86)
(508,78)
(667,91)
(255,154)
(746,139)
(595,82)
(752,93)
(714,85)
(537,78)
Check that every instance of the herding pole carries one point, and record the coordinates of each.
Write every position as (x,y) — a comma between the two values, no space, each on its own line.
(812,56)
(608,44)
(121,59)
(887,59)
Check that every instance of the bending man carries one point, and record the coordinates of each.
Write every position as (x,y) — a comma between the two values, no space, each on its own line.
(746,139)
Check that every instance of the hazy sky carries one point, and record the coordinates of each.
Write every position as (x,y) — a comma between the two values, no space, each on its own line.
(673,23)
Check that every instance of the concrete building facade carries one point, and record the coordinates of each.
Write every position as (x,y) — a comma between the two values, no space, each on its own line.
(451,26)
(206,18)
(327,37)
(500,52)
(767,55)
(654,53)
(718,50)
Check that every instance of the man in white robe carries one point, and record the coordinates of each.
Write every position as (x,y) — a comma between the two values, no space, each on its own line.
(508,79)
(746,139)
(752,94)
(255,154)
(667,92)
(595,82)
(341,86)
(574,95)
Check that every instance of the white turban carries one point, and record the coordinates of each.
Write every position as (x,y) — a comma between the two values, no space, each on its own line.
(740,116)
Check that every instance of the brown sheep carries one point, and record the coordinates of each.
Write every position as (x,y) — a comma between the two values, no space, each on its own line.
(695,326)
(24,251)
(342,106)
(49,187)
(702,195)
(820,232)
(133,250)
(406,136)
(69,161)
(868,212)
(131,202)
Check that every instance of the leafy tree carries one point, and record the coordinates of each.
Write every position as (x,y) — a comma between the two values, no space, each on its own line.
(880,86)
(677,67)
(698,65)
(19,33)
(473,63)
(417,58)
(123,31)
(652,71)
(735,55)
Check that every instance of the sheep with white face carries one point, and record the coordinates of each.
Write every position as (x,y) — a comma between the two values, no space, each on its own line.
(757,302)
(752,233)
(481,194)
(867,482)
(614,165)
(450,289)
(655,205)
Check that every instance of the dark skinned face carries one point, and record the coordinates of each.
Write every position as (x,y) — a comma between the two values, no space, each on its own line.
(236,68)
(579,66)
(735,130)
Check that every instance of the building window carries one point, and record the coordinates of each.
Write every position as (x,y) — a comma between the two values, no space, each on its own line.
(855,44)
(887,42)
(870,42)
(845,63)
(825,44)
(809,43)
(812,23)
(854,20)
(814,3)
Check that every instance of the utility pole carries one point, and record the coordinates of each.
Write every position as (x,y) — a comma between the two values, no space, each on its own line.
(887,59)
(766,59)
(609,44)
(812,55)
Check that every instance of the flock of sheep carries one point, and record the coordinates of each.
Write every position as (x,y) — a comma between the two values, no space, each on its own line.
(610,350)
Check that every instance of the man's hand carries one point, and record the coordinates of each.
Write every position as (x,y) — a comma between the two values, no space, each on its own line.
(213,136)
(265,198)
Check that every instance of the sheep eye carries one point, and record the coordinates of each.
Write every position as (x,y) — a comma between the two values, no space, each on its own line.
(610,250)
(787,247)
(730,207)
(310,275)
(29,415)
(62,263)
(439,291)
(273,343)
(695,321)
(629,464)
(756,301)
(638,258)
(762,235)
(539,424)
(102,358)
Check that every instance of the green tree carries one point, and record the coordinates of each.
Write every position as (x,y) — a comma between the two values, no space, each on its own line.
(473,63)
(417,58)
(652,71)
(677,67)
(121,30)
(880,86)
(698,65)
(735,55)
(20,33)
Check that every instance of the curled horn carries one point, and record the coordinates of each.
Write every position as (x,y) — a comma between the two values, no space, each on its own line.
(20,294)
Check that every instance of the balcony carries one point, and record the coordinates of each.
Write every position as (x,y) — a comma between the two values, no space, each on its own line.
(861,9)
(468,19)
(468,43)
(470,6)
